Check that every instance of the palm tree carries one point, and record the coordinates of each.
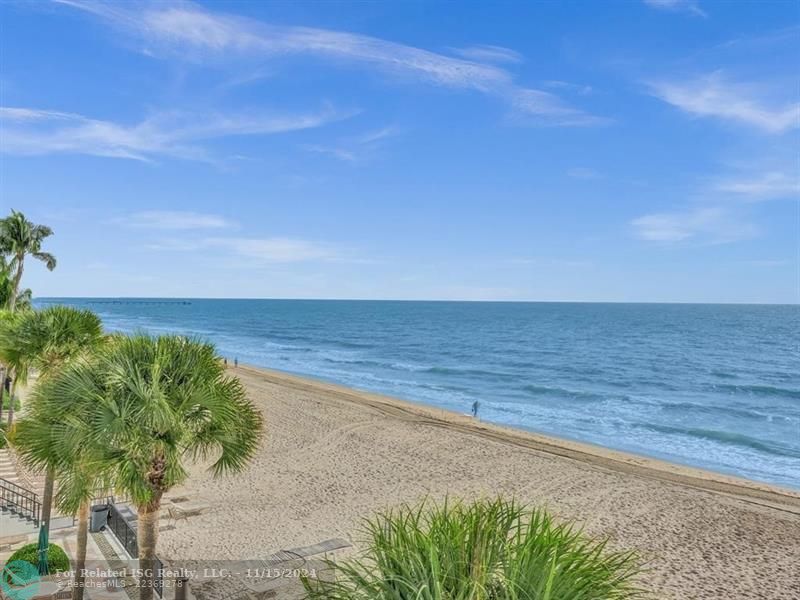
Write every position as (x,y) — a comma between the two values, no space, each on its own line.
(18,239)
(5,317)
(12,355)
(22,302)
(45,443)
(23,298)
(147,405)
(50,339)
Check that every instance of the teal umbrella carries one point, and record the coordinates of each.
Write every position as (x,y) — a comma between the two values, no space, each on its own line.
(44,544)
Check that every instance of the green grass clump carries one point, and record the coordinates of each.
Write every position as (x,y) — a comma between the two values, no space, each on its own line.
(485,550)
(57,559)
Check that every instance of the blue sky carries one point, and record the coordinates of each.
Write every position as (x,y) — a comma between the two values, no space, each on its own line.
(589,151)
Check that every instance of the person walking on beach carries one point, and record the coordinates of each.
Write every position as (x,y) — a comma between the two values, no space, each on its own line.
(236,362)
(225,361)
(475,406)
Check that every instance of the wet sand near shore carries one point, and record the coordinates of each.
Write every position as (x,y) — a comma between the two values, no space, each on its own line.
(332,456)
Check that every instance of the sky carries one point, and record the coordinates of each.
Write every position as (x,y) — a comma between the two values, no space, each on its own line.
(554,151)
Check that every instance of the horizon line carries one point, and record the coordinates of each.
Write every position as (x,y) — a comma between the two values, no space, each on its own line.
(184,298)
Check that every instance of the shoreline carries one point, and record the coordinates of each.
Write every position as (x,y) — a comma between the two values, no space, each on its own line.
(333,456)
(776,496)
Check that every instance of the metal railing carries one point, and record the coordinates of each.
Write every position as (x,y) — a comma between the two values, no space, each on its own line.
(17,499)
(126,534)
(123,531)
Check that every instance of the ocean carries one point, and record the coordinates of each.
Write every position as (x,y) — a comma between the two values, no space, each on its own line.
(713,386)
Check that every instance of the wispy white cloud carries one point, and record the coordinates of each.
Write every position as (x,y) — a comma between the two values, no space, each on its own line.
(377,135)
(543,261)
(722,208)
(687,6)
(191,33)
(277,249)
(713,225)
(358,148)
(260,250)
(546,108)
(582,173)
(338,152)
(767,186)
(575,88)
(489,53)
(175,220)
(29,131)
(713,96)
(760,41)
(32,115)
(766,262)
(174,245)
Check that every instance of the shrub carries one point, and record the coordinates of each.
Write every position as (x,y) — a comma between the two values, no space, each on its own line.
(57,559)
(486,550)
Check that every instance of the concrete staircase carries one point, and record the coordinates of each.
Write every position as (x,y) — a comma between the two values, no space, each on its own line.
(8,470)
(11,471)
(12,524)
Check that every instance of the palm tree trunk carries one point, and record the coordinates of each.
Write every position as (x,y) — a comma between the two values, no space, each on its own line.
(47,497)
(147,536)
(80,558)
(11,404)
(2,389)
(17,278)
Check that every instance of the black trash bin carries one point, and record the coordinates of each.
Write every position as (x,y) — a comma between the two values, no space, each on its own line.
(99,518)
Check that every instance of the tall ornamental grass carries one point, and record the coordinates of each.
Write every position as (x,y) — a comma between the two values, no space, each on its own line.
(484,550)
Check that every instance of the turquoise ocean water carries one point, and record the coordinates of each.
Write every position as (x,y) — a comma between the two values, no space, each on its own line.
(714,386)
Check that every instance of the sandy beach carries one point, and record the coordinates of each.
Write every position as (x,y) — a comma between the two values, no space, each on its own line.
(332,456)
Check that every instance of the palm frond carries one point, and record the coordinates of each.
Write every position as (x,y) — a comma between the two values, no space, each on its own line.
(48,259)
(146,404)
(484,550)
